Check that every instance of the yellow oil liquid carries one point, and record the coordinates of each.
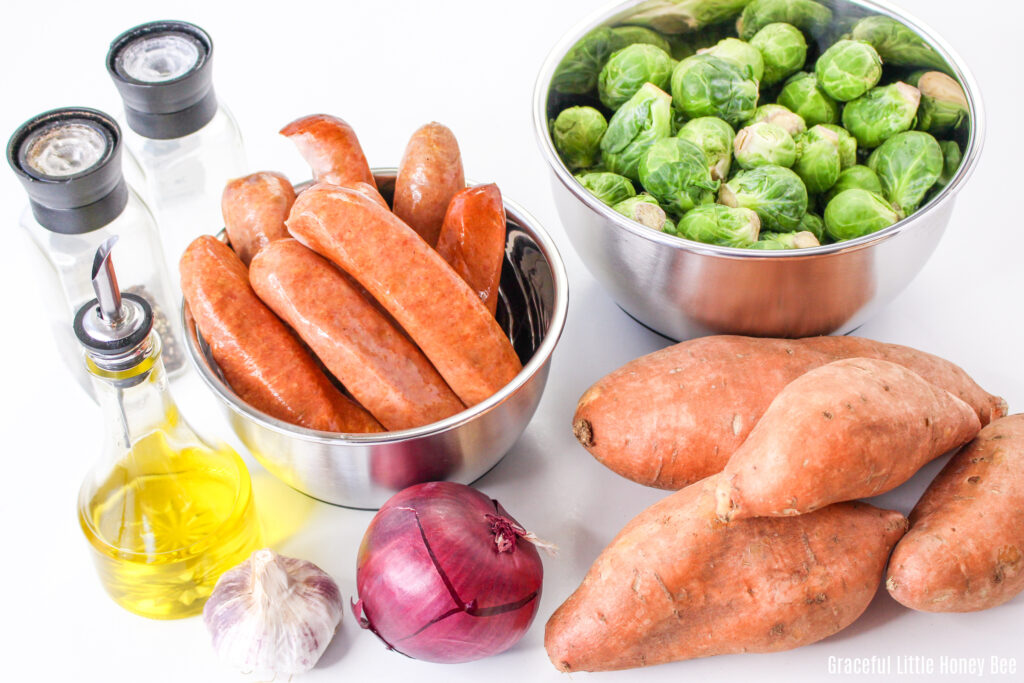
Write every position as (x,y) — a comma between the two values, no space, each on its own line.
(166,523)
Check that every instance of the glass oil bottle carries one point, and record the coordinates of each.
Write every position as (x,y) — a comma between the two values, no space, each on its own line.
(164,513)
(183,140)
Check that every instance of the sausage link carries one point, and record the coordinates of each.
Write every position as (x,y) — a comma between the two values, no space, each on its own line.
(261,359)
(382,369)
(411,280)
(428,177)
(331,148)
(254,209)
(472,240)
(370,191)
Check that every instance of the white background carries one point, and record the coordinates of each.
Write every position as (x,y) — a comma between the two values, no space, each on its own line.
(388,67)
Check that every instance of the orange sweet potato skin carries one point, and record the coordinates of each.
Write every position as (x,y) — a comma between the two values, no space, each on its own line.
(854,428)
(965,548)
(675,416)
(678,584)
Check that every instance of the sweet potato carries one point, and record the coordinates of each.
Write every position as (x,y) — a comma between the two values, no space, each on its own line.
(965,548)
(675,416)
(678,584)
(851,429)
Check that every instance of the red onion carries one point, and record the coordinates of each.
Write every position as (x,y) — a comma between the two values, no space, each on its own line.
(445,574)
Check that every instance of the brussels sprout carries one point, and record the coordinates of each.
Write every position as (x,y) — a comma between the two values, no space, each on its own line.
(775,193)
(610,188)
(907,164)
(951,158)
(847,145)
(943,107)
(783,48)
(683,16)
(681,48)
(628,69)
(787,240)
(881,113)
(896,44)
(577,73)
(855,213)
(577,135)
(646,117)
(632,35)
(764,144)
(644,209)
(742,54)
(856,176)
(848,69)
(780,116)
(810,17)
(722,225)
(704,85)
(814,224)
(817,161)
(676,173)
(802,95)
(715,138)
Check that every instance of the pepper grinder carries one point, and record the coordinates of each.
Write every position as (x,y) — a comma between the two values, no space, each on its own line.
(164,512)
(184,140)
(69,161)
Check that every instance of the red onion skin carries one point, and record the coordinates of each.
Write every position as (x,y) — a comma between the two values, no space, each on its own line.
(401,590)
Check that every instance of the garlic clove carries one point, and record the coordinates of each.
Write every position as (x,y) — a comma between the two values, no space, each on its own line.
(273,614)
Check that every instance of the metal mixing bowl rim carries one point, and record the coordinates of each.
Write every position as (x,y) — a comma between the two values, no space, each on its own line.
(540,356)
(967,166)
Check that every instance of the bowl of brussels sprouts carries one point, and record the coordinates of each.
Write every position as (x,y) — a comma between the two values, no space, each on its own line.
(762,167)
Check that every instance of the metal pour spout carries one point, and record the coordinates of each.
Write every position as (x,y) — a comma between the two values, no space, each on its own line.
(104,282)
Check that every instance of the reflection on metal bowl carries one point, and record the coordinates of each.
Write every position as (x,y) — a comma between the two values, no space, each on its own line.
(363,471)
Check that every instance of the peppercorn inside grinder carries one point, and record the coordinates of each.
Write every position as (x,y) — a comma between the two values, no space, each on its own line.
(164,512)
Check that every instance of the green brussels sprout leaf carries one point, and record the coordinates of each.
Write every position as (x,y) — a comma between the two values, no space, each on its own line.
(783,50)
(776,193)
(628,69)
(855,213)
(764,144)
(881,113)
(722,225)
(802,95)
(781,116)
(810,17)
(675,172)
(856,176)
(817,162)
(740,53)
(897,44)
(773,241)
(848,69)
(610,188)
(644,209)
(715,138)
(704,85)
(637,124)
(577,136)
(683,16)
(908,165)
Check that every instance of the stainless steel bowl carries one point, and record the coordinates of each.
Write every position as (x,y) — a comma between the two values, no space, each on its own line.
(684,289)
(363,471)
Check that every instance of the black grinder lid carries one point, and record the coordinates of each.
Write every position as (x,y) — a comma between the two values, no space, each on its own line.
(164,73)
(69,161)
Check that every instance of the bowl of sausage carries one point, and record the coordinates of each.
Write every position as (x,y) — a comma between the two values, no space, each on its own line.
(373,329)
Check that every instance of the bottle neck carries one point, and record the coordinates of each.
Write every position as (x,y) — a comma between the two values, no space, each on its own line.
(135,399)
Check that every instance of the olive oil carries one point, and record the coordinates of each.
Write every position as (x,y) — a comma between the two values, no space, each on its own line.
(167,522)
(165,513)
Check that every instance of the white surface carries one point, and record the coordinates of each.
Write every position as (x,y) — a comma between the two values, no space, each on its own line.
(387,68)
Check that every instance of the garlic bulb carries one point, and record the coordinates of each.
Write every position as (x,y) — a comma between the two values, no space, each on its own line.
(273,614)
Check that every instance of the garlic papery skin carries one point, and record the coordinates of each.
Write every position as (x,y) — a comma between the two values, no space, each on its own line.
(273,614)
